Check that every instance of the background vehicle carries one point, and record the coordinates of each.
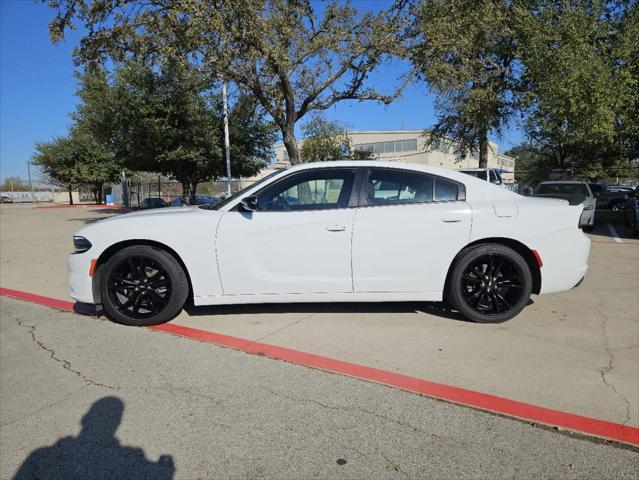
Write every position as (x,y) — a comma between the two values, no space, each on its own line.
(336,232)
(632,211)
(153,202)
(199,200)
(491,175)
(576,193)
(612,197)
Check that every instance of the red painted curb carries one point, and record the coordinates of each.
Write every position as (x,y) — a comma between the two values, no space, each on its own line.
(462,396)
(39,299)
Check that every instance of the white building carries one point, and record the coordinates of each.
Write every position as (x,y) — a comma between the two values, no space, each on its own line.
(410,146)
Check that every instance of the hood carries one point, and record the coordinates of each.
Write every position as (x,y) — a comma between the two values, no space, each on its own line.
(153,213)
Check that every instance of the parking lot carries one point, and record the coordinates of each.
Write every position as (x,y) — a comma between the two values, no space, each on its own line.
(198,410)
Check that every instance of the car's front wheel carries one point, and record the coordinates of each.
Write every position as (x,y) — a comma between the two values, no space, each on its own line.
(489,283)
(142,285)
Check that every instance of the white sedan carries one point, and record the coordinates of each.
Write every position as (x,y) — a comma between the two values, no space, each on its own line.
(365,231)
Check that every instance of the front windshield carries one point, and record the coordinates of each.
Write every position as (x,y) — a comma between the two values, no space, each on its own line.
(563,189)
(481,174)
(230,198)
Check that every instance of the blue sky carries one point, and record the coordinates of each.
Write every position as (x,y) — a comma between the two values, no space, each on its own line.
(37,90)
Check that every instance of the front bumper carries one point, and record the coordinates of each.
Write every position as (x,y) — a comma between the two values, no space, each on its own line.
(80,283)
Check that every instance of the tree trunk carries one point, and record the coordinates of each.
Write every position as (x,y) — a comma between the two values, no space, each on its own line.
(288,135)
(99,190)
(193,192)
(186,191)
(70,195)
(483,148)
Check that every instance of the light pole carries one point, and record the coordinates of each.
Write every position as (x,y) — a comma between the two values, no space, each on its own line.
(227,143)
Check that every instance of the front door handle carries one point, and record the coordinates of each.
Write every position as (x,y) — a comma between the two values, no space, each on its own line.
(451,219)
(336,228)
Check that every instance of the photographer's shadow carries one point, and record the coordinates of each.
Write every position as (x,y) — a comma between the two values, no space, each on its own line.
(95,453)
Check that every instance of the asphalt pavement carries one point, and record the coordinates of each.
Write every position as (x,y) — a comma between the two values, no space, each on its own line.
(85,398)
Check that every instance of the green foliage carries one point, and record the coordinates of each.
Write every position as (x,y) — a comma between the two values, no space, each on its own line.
(168,121)
(580,83)
(76,160)
(14,184)
(466,53)
(292,58)
(326,140)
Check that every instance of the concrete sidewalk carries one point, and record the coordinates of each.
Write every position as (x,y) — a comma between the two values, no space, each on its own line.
(577,351)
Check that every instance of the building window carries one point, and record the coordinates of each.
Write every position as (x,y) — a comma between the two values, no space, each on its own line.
(388,147)
(410,145)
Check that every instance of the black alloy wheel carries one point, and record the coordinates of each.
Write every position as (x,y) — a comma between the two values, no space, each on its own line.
(139,287)
(143,285)
(490,283)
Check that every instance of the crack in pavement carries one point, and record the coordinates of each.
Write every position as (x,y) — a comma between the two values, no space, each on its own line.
(282,328)
(443,440)
(65,363)
(606,369)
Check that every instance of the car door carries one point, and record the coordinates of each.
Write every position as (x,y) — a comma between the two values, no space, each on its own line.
(407,231)
(297,242)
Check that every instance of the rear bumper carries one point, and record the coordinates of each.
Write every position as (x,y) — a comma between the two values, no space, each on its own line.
(565,259)
(80,283)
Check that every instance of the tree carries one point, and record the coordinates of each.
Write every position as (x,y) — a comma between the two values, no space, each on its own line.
(581,81)
(14,184)
(168,120)
(326,140)
(76,160)
(290,57)
(466,53)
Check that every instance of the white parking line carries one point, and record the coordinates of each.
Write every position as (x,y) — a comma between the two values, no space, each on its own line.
(614,233)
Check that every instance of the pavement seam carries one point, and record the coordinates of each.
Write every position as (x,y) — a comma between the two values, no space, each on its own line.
(608,368)
(292,324)
(65,363)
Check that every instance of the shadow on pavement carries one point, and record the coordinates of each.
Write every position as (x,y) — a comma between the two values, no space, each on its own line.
(95,453)
(605,217)
(435,308)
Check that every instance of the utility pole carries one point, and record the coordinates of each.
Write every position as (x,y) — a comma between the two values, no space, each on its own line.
(29,173)
(227,143)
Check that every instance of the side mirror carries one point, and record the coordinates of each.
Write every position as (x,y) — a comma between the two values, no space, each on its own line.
(249,204)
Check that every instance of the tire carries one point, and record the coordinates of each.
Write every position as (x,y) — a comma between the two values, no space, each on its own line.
(489,283)
(142,285)
(588,228)
(618,205)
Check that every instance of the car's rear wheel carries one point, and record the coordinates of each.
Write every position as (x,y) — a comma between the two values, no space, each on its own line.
(142,285)
(490,283)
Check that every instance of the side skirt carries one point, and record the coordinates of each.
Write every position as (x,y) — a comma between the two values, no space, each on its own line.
(319,298)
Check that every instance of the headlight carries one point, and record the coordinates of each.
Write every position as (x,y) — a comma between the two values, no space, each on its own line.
(80,244)
(588,207)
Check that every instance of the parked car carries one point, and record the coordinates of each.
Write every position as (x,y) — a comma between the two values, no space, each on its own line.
(367,231)
(153,202)
(613,198)
(199,200)
(632,211)
(576,193)
(491,175)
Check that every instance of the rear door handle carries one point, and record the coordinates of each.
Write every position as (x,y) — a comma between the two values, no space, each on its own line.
(336,228)
(451,219)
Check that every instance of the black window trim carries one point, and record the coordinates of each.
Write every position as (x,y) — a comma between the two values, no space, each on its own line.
(352,199)
(363,200)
